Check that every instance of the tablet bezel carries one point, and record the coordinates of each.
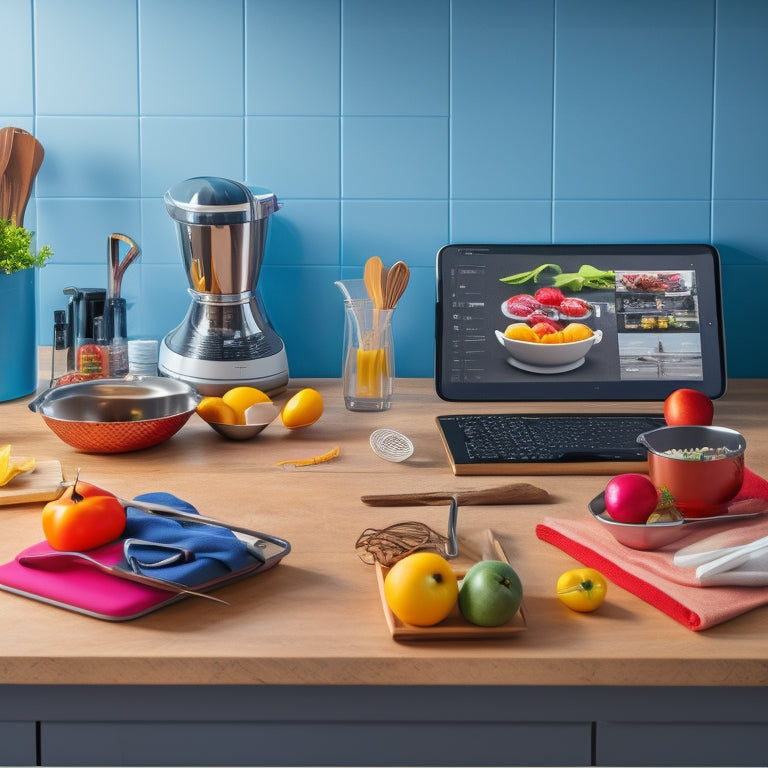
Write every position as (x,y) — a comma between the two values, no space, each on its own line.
(653,257)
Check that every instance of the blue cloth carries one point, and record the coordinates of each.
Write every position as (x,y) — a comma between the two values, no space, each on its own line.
(186,552)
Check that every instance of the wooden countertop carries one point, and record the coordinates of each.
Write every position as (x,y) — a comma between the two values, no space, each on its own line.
(317,617)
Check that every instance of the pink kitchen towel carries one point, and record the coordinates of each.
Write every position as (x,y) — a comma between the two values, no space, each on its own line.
(653,576)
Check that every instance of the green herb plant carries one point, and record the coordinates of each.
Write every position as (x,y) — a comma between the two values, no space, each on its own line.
(586,277)
(16,249)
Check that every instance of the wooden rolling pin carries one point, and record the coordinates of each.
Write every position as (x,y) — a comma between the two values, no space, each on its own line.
(514,493)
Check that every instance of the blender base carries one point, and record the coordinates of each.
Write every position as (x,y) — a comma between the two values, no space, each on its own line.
(215,377)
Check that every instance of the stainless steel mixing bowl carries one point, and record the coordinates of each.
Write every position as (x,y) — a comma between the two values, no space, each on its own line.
(117,415)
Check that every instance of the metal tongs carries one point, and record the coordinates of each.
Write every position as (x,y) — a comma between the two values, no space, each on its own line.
(117,267)
(512,493)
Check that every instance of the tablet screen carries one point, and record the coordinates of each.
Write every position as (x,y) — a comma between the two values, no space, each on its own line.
(578,322)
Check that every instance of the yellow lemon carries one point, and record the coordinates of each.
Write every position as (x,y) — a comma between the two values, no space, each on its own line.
(520,332)
(577,332)
(303,409)
(239,399)
(214,409)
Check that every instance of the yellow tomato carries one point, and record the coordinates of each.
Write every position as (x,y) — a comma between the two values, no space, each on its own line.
(240,399)
(214,409)
(303,409)
(421,589)
(582,589)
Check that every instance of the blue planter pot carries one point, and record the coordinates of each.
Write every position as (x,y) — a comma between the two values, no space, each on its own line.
(18,335)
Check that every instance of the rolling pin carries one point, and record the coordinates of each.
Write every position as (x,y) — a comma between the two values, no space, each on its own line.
(514,493)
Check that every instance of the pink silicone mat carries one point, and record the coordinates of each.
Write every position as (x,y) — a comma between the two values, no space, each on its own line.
(84,589)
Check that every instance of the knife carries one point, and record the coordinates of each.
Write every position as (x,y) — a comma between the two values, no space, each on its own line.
(514,493)
(61,561)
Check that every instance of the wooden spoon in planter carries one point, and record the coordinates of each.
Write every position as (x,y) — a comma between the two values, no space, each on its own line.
(24,162)
(6,144)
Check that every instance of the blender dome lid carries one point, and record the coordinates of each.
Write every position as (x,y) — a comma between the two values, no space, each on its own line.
(217,201)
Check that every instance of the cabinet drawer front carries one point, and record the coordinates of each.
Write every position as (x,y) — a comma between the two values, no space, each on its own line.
(316,743)
(671,744)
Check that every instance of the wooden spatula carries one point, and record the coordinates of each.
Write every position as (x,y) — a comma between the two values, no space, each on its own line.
(24,161)
(514,493)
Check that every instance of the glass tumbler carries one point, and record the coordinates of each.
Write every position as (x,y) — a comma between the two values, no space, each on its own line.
(369,361)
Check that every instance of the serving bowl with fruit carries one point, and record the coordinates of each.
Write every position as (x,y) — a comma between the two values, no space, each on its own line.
(547,349)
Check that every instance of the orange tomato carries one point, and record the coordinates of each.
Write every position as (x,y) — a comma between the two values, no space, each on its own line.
(303,409)
(82,518)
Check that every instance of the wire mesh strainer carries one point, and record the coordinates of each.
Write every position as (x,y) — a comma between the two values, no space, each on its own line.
(390,445)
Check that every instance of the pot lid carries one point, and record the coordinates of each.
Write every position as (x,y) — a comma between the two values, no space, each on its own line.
(215,201)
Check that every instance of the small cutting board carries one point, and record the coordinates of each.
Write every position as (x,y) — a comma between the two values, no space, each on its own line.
(43,483)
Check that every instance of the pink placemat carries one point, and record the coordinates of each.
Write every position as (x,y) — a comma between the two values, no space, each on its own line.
(84,590)
(653,576)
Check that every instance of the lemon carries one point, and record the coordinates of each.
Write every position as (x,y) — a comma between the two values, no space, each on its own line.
(240,399)
(303,409)
(214,409)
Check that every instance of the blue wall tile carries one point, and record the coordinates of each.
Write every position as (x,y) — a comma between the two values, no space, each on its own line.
(741,84)
(501,221)
(400,157)
(502,89)
(293,55)
(633,99)
(299,156)
(86,57)
(16,89)
(621,221)
(395,57)
(88,156)
(191,56)
(395,230)
(178,148)
(304,233)
(391,128)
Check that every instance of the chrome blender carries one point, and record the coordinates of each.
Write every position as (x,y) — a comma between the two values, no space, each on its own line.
(225,339)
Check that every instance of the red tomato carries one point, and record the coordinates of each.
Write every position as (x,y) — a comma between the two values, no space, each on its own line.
(688,407)
(78,525)
(552,297)
(630,498)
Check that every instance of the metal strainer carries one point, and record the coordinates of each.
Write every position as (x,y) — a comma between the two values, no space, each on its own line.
(390,445)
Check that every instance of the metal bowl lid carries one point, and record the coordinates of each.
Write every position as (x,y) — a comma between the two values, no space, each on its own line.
(215,201)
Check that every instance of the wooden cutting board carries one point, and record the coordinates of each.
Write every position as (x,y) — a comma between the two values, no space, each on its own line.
(43,483)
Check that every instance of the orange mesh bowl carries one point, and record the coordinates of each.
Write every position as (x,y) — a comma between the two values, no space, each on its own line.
(117,415)
(116,436)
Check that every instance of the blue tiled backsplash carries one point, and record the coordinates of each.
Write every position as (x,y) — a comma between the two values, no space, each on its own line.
(392,128)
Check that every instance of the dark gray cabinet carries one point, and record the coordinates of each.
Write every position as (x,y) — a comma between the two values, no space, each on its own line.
(438,725)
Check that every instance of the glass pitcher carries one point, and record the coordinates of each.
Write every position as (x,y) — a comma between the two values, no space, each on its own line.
(368,357)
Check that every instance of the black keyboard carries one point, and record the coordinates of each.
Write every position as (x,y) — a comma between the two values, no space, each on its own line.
(521,438)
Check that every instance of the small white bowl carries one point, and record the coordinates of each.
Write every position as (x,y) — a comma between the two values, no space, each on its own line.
(543,355)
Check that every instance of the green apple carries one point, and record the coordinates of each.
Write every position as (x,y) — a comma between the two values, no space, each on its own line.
(490,593)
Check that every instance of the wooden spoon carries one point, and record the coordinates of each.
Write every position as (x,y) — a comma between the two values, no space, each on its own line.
(397,280)
(6,144)
(24,162)
(372,278)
